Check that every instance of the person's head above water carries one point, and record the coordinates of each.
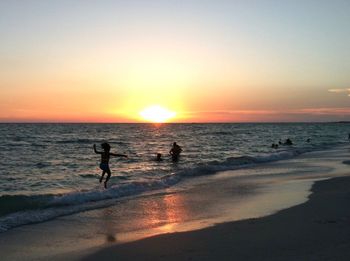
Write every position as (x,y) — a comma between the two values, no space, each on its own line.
(105,146)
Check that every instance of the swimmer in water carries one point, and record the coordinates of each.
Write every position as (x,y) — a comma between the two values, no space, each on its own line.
(159,157)
(175,152)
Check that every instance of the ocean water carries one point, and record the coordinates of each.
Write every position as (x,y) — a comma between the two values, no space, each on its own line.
(50,170)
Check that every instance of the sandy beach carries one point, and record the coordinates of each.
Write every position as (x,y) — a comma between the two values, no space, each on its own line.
(316,230)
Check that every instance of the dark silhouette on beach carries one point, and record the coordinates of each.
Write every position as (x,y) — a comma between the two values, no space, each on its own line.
(175,152)
(104,165)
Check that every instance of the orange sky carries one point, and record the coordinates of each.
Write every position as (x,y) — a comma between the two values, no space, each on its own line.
(207,61)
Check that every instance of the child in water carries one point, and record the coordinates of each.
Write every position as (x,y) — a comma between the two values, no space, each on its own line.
(159,157)
(104,165)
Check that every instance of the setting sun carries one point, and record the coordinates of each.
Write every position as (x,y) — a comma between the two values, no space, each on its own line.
(157,114)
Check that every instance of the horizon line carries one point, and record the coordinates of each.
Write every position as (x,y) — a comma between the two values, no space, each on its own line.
(160,123)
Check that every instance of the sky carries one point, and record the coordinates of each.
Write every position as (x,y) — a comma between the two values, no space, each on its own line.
(206,61)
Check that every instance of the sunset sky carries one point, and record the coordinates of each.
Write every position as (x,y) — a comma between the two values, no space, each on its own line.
(206,61)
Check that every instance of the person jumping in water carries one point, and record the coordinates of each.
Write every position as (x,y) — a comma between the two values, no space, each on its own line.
(175,152)
(104,165)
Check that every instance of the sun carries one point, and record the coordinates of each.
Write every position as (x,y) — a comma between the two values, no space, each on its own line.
(157,114)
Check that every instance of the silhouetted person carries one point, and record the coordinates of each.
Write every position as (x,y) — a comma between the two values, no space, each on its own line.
(175,152)
(308,140)
(104,165)
(274,146)
(159,157)
(288,142)
(280,142)
(349,137)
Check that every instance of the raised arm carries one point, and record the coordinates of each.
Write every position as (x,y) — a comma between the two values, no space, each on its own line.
(97,152)
(118,155)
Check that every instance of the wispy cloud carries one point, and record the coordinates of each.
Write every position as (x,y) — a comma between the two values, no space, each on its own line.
(340,91)
(323,111)
(233,112)
(305,111)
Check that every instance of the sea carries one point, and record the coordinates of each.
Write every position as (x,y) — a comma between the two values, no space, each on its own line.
(50,170)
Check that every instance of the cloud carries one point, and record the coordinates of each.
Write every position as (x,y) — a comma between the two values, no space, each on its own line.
(234,112)
(340,91)
(311,114)
(323,111)
(306,111)
(337,90)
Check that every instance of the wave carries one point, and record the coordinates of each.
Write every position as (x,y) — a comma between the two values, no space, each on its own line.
(221,133)
(20,210)
(88,141)
(14,203)
(97,176)
(91,176)
(80,141)
(233,163)
(41,208)
(347,162)
(42,165)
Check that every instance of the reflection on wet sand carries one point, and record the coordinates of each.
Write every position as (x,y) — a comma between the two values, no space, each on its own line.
(163,214)
(156,215)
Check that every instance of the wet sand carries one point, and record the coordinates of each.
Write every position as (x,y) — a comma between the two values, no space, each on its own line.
(316,230)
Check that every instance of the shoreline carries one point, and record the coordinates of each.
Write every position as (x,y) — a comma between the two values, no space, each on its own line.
(315,230)
(227,198)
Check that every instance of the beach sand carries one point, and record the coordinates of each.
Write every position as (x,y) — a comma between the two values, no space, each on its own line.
(193,220)
(316,230)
